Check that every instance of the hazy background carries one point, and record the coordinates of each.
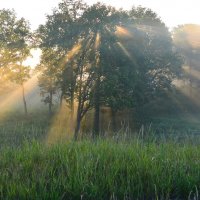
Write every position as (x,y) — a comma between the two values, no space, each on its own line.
(171,12)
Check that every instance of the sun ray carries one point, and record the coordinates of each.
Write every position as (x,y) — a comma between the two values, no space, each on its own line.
(123,32)
(191,93)
(192,34)
(192,72)
(123,48)
(97,41)
(13,100)
(175,100)
(60,128)
(76,48)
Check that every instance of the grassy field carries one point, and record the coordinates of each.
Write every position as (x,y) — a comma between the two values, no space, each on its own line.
(104,169)
(141,166)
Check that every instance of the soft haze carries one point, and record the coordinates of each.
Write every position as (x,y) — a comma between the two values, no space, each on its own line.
(172,12)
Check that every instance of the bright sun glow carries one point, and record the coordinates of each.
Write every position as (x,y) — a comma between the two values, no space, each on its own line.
(34,59)
(123,32)
(193,35)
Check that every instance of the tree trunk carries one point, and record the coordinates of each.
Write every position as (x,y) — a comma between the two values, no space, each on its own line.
(24,100)
(78,125)
(96,128)
(61,100)
(114,123)
(72,111)
(50,102)
(79,110)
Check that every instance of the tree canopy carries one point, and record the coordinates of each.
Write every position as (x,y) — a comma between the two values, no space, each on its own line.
(108,57)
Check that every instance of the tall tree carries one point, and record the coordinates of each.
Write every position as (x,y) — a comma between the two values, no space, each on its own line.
(62,32)
(20,74)
(15,44)
(111,57)
(158,63)
(14,38)
(49,72)
(101,21)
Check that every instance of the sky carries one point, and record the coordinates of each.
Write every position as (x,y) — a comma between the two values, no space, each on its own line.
(172,12)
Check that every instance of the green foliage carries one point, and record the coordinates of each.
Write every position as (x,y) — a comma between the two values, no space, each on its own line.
(14,38)
(108,57)
(19,74)
(49,72)
(14,46)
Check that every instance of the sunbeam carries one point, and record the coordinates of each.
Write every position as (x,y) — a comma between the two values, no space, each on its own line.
(192,72)
(123,32)
(60,128)
(124,50)
(97,41)
(192,35)
(131,58)
(191,93)
(76,48)
(13,100)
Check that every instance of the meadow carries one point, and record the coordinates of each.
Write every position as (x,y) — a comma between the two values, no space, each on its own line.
(143,165)
(107,109)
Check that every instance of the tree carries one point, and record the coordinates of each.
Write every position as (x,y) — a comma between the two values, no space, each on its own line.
(109,57)
(186,39)
(101,22)
(49,72)
(62,32)
(158,62)
(135,61)
(20,74)
(14,38)
(14,48)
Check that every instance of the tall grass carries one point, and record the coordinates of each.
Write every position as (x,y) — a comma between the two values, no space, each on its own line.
(104,169)
(152,164)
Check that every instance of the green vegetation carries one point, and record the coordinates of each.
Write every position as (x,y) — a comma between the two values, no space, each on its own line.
(106,169)
(99,56)
(123,112)
(138,166)
(17,129)
(15,45)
